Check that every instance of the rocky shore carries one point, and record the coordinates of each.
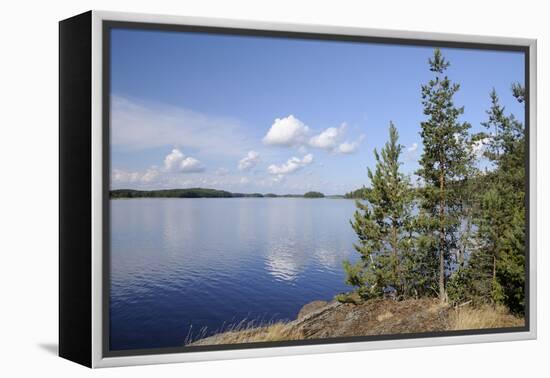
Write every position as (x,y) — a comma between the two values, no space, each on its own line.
(320,319)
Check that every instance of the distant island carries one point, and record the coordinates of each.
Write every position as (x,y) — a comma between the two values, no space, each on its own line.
(208,193)
(314,195)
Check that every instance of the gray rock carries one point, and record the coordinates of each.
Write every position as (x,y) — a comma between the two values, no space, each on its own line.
(311,307)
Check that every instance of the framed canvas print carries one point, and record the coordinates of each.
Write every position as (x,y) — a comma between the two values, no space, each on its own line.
(235,189)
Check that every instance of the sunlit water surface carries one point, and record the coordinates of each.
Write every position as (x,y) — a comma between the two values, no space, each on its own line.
(185,267)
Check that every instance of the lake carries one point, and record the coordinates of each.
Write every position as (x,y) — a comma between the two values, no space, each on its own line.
(181,268)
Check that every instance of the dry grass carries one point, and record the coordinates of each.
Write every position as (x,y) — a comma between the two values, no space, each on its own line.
(436,306)
(273,332)
(483,317)
(374,318)
(384,316)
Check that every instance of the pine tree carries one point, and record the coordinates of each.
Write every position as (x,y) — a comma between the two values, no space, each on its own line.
(518,91)
(445,166)
(495,269)
(382,224)
(501,215)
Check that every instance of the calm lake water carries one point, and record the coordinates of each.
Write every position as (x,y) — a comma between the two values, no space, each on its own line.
(182,265)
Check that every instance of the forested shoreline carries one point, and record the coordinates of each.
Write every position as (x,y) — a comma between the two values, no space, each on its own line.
(458,232)
(206,193)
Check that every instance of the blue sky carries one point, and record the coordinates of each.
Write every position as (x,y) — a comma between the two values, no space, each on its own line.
(257,114)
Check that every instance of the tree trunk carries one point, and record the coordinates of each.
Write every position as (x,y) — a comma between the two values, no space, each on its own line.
(442,296)
(395,262)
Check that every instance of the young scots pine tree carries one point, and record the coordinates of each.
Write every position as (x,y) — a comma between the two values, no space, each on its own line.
(382,224)
(445,165)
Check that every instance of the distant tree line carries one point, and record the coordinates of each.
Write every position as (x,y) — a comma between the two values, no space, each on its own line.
(460,234)
(204,193)
(171,193)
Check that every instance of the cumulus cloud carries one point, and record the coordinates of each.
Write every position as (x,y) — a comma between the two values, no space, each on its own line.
(249,161)
(292,165)
(291,132)
(176,162)
(288,131)
(173,160)
(328,139)
(190,164)
(349,147)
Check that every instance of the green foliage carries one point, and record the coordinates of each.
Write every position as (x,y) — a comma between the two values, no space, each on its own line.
(247,195)
(314,195)
(459,287)
(518,91)
(466,243)
(204,193)
(472,282)
(171,193)
(445,165)
(357,194)
(361,275)
(353,298)
(500,212)
(382,223)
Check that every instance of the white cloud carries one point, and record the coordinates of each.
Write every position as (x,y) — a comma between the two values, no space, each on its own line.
(328,139)
(150,175)
(289,131)
(349,147)
(190,164)
(175,162)
(480,146)
(137,125)
(249,161)
(292,165)
(120,176)
(411,152)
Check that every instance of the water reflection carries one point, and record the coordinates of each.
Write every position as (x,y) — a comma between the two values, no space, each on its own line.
(282,263)
(178,263)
